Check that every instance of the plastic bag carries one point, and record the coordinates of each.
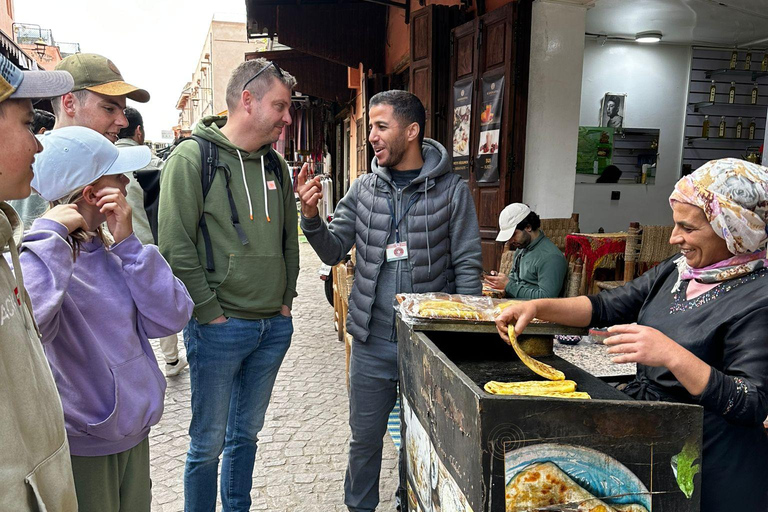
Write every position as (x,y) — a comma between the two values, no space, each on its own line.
(444,306)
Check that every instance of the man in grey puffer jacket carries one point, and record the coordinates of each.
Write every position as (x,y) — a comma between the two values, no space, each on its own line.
(415,227)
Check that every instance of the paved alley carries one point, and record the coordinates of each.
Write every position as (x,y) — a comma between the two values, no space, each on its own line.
(302,452)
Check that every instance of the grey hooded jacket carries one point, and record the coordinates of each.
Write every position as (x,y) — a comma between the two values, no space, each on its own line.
(438,223)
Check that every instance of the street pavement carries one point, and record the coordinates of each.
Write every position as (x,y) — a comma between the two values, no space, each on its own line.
(302,454)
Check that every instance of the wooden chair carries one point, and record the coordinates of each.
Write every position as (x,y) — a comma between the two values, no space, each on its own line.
(557,229)
(336,272)
(507,257)
(573,278)
(646,247)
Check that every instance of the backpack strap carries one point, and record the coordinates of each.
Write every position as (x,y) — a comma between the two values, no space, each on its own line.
(273,165)
(209,158)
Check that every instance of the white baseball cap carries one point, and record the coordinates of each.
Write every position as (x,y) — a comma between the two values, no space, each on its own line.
(76,156)
(509,218)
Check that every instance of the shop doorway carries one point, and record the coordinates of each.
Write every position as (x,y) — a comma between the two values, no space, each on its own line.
(491,54)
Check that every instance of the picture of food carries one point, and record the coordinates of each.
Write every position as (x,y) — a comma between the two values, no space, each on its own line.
(549,475)
(419,459)
(489,142)
(412,503)
(545,484)
(447,496)
(486,116)
(430,487)
(461,124)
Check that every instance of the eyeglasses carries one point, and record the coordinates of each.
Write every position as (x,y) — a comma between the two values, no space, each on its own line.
(254,77)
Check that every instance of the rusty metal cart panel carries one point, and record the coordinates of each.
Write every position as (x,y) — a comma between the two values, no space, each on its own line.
(462,446)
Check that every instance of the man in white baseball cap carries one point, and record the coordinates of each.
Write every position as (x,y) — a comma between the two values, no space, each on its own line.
(538,270)
(32,433)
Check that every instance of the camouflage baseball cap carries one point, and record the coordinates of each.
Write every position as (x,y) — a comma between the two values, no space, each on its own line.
(99,74)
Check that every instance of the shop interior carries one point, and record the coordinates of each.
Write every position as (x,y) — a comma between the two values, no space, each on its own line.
(709,66)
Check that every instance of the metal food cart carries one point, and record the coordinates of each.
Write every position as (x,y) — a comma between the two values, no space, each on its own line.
(467,450)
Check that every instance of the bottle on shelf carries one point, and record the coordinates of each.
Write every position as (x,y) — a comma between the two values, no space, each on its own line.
(754,94)
(721,128)
(748,61)
(739,128)
(705,127)
(764,63)
(732,93)
(734,58)
(752,127)
(712,92)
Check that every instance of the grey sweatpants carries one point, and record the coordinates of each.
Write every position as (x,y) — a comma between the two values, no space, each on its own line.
(372,394)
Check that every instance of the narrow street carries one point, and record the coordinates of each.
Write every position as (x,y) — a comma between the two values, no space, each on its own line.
(302,453)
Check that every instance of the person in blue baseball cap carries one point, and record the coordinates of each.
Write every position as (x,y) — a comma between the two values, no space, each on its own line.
(98,297)
(35,467)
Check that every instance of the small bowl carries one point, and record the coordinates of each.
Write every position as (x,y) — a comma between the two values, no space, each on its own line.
(568,339)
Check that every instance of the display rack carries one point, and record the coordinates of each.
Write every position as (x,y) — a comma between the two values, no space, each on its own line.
(712,64)
(754,75)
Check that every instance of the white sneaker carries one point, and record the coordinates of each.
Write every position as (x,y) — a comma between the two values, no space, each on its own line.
(172,370)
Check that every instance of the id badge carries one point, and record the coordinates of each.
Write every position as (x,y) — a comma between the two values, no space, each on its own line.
(397,251)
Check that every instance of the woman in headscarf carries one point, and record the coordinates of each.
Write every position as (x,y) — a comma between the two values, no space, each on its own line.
(697,326)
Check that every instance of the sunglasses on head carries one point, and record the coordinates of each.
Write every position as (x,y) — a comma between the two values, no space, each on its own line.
(254,77)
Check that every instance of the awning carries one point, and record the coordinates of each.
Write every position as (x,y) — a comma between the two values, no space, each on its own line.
(346,33)
(315,76)
(16,54)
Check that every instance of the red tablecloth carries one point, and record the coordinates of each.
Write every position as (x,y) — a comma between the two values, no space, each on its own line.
(596,250)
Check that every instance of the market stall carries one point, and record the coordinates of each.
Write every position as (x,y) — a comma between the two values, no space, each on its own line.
(466,449)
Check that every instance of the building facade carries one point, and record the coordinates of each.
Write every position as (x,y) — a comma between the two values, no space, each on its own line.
(205,94)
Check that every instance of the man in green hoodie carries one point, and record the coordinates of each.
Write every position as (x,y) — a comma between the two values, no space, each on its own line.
(237,252)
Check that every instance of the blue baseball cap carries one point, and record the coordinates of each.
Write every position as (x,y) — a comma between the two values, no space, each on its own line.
(76,156)
(18,84)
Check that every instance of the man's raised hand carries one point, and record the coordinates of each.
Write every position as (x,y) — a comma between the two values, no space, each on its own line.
(310,193)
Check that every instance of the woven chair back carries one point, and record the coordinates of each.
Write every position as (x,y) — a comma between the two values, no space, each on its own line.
(557,229)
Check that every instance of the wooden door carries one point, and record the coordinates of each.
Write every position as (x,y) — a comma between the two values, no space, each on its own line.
(430,45)
(496,45)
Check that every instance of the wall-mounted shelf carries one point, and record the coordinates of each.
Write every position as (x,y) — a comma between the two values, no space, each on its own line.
(693,139)
(753,75)
(703,105)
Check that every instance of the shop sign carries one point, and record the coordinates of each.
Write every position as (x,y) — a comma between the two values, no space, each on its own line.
(462,121)
(491,104)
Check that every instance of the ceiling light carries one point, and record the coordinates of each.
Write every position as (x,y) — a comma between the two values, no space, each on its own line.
(652,36)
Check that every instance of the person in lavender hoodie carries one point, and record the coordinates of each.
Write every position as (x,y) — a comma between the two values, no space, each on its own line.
(97,301)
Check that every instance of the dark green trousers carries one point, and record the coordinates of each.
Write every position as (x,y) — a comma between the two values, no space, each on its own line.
(114,483)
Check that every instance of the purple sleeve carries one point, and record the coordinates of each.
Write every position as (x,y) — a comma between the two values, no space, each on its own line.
(47,265)
(163,303)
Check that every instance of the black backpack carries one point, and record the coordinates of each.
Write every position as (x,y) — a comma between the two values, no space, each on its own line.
(209,156)
(149,181)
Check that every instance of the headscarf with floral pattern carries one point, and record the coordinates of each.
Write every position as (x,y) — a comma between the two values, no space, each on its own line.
(734,197)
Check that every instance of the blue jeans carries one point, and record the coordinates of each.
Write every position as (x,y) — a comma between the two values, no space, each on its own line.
(233,366)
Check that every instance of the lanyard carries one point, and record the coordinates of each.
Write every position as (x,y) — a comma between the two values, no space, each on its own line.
(395,221)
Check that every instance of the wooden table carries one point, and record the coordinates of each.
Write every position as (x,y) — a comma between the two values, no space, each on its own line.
(596,250)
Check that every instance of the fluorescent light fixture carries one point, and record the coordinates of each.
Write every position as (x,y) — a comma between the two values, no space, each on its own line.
(651,36)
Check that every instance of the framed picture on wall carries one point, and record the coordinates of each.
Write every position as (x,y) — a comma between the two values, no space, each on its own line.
(612,110)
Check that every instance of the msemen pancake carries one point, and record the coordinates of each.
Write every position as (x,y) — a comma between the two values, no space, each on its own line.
(544,484)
